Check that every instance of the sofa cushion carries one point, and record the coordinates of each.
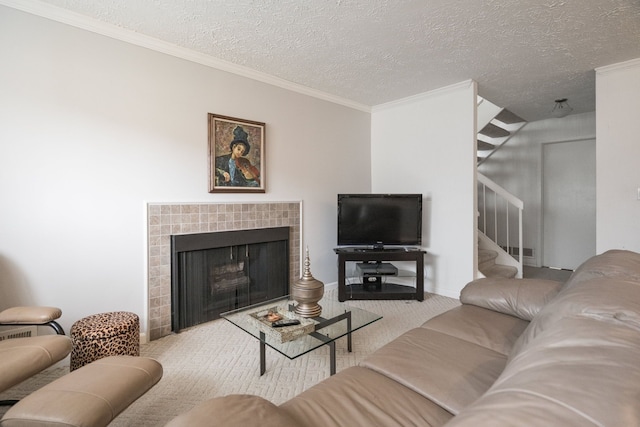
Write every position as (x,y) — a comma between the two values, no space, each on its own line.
(360,397)
(25,357)
(486,328)
(234,410)
(523,298)
(608,299)
(581,370)
(608,283)
(445,369)
(516,408)
(615,264)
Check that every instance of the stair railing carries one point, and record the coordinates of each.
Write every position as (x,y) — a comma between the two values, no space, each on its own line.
(498,210)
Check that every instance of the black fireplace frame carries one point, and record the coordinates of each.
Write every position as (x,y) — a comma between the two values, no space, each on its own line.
(181,243)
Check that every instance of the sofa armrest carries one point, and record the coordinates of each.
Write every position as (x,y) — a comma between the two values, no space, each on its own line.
(234,410)
(522,298)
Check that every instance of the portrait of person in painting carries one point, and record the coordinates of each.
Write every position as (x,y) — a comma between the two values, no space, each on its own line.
(235,169)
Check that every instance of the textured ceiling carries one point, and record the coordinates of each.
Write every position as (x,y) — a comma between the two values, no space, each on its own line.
(523,53)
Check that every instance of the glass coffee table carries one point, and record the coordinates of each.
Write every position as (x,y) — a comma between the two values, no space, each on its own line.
(336,320)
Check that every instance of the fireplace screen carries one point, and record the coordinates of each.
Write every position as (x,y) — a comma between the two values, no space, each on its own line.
(216,272)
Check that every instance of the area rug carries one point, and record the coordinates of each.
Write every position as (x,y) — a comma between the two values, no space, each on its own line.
(217,358)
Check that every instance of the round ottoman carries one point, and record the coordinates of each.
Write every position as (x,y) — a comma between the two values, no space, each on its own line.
(102,335)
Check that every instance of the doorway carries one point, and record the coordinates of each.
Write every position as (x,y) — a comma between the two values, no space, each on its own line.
(568,203)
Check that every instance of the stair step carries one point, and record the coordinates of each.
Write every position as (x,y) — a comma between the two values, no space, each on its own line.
(486,255)
(499,270)
(509,118)
(487,265)
(493,131)
(485,146)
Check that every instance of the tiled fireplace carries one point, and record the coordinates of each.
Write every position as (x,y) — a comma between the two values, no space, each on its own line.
(164,220)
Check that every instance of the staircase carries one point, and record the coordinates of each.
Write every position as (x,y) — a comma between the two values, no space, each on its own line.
(496,220)
(496,131)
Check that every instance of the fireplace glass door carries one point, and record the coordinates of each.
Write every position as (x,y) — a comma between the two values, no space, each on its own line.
(211,281)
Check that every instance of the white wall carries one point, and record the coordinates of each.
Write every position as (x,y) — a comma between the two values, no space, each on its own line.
(93,128)
(517,167)
(617,157)
(426,144)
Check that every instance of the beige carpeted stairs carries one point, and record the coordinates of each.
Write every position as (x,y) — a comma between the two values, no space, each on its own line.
(487,265)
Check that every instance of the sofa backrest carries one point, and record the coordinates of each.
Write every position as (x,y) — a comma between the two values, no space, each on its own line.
(576,364)
(591,288)
(615,263)
(581,371)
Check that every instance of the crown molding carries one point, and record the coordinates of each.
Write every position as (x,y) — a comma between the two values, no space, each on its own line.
(422,96)
(633,63)
(83,22)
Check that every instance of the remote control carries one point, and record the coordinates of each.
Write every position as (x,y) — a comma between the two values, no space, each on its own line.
(285,322)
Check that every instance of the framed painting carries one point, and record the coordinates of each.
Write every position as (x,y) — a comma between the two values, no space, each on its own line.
(236,155)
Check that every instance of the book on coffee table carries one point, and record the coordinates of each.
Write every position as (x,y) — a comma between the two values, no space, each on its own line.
(267,317)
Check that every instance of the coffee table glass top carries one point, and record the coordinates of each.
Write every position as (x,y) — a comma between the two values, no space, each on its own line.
(332,311)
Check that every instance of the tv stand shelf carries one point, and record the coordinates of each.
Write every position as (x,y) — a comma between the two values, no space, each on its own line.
(380,290)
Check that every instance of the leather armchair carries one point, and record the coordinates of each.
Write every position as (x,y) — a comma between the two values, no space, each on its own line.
(21,358)
(92,395)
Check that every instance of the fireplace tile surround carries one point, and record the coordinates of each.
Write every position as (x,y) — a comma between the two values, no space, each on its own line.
(166,219)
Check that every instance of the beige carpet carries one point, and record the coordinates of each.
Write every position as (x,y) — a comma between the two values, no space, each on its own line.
(217,359)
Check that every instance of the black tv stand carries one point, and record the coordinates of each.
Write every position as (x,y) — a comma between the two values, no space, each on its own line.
(373,269)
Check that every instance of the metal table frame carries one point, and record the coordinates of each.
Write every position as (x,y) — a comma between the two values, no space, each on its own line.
(331,342)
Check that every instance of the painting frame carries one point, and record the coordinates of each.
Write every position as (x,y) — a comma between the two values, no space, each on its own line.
(236,155)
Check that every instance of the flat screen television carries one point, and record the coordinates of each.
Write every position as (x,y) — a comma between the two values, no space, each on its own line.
(379,220)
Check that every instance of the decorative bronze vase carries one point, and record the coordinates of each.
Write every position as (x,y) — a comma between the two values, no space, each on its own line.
(307,292)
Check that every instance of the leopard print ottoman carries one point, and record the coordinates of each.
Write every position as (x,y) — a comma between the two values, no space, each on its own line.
(102,335)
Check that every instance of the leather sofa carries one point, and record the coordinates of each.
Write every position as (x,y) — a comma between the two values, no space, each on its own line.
(515,352)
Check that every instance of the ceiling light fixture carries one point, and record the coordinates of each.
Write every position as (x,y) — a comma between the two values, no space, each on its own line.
(561,108)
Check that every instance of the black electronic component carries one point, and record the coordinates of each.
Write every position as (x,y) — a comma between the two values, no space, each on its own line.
(285,322)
